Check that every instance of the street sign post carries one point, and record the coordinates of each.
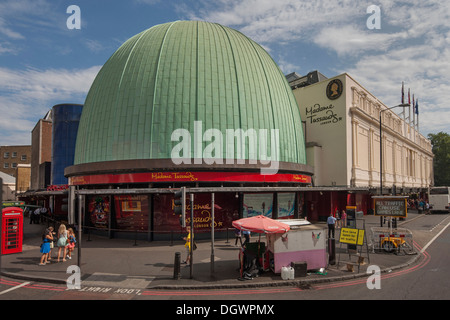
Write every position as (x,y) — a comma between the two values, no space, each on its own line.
(390,206)
(354,237)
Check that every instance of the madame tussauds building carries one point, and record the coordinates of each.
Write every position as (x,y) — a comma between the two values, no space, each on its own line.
(188,104)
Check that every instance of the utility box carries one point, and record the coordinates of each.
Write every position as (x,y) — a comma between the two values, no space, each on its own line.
(12,230)
(300,268)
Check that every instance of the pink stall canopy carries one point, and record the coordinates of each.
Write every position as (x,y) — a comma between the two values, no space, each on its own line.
(260,224)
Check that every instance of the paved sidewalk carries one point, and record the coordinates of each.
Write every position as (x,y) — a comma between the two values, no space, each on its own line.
(120,263)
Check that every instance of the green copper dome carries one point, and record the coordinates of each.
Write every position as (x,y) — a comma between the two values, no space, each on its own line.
(174,75)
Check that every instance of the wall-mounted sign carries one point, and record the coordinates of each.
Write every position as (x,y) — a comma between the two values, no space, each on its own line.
(187,177)
(334,89)
(390,206)
(322,114)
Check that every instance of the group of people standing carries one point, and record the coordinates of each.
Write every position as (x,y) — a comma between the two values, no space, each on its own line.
(38,215)
(238,236)
(65,242)
(419,204)
(336,221)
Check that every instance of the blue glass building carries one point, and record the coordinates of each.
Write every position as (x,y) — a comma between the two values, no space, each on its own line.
(66,118)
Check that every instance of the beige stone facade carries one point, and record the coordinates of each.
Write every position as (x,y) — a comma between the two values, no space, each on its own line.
(23,180)
(342,131)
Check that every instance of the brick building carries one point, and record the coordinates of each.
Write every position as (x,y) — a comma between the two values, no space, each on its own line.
(12,156)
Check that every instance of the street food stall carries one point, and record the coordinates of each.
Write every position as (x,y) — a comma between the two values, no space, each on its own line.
(256,251)
(289,243)
(304,243)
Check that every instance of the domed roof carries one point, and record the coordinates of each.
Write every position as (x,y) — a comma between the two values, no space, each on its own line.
(175,74)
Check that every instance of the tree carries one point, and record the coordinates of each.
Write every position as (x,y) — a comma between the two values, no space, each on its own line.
(441,151)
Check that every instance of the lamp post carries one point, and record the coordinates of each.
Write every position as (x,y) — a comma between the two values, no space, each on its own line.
(381,143)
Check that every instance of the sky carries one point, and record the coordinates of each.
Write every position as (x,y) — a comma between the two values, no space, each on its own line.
(45,61)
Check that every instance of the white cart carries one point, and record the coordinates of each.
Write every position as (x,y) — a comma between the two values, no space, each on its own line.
(304,242)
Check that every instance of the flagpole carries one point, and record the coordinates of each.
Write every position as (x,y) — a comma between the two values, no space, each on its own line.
(409,117)
(414,119)
(417,112)
(404,111)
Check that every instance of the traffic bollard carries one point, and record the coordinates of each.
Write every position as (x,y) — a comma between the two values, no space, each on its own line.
(177,266)
(332,251)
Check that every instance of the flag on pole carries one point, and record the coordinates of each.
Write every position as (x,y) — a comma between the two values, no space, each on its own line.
(403,93)
(417,112)
(409,107)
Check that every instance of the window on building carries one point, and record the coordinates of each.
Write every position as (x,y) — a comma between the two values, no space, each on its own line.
(14,155)
(23,157)
(14,165)
(6,155)
(6,165)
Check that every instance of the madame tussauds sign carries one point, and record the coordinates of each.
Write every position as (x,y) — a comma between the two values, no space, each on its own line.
(234,146)
(322,114)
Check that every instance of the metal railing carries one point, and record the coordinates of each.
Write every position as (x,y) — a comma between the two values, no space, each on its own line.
(398,240)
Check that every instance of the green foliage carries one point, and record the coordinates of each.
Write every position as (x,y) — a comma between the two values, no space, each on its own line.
(441,150)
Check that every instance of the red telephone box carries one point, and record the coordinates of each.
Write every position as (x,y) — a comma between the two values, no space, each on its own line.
(12,230)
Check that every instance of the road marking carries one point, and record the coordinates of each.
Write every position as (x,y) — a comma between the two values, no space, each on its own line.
(14,288)
(434,238)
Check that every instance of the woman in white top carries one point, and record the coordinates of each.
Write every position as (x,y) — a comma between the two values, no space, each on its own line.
(62,241)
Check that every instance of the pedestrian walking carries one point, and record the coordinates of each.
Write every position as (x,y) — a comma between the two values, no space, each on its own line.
(246,234)
(62,241)
(331,221)
(71,243)
(47,238)
(187,245)
(237,234)
(34,216)
(43,214)
(421,206)
(51,230)
(343,219)
(338,219)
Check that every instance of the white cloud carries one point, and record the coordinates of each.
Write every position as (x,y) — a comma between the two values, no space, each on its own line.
(5,30)
(424,70)
(148,2)
(350,40)
(94,45)
(413,44)
(266,20)
(27,95)
(36,17)
(44,85)
(7,47)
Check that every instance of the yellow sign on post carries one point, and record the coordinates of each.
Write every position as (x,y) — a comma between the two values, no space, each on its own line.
(352,236)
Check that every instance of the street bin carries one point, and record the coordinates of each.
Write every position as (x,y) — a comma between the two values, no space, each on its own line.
(12,230)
